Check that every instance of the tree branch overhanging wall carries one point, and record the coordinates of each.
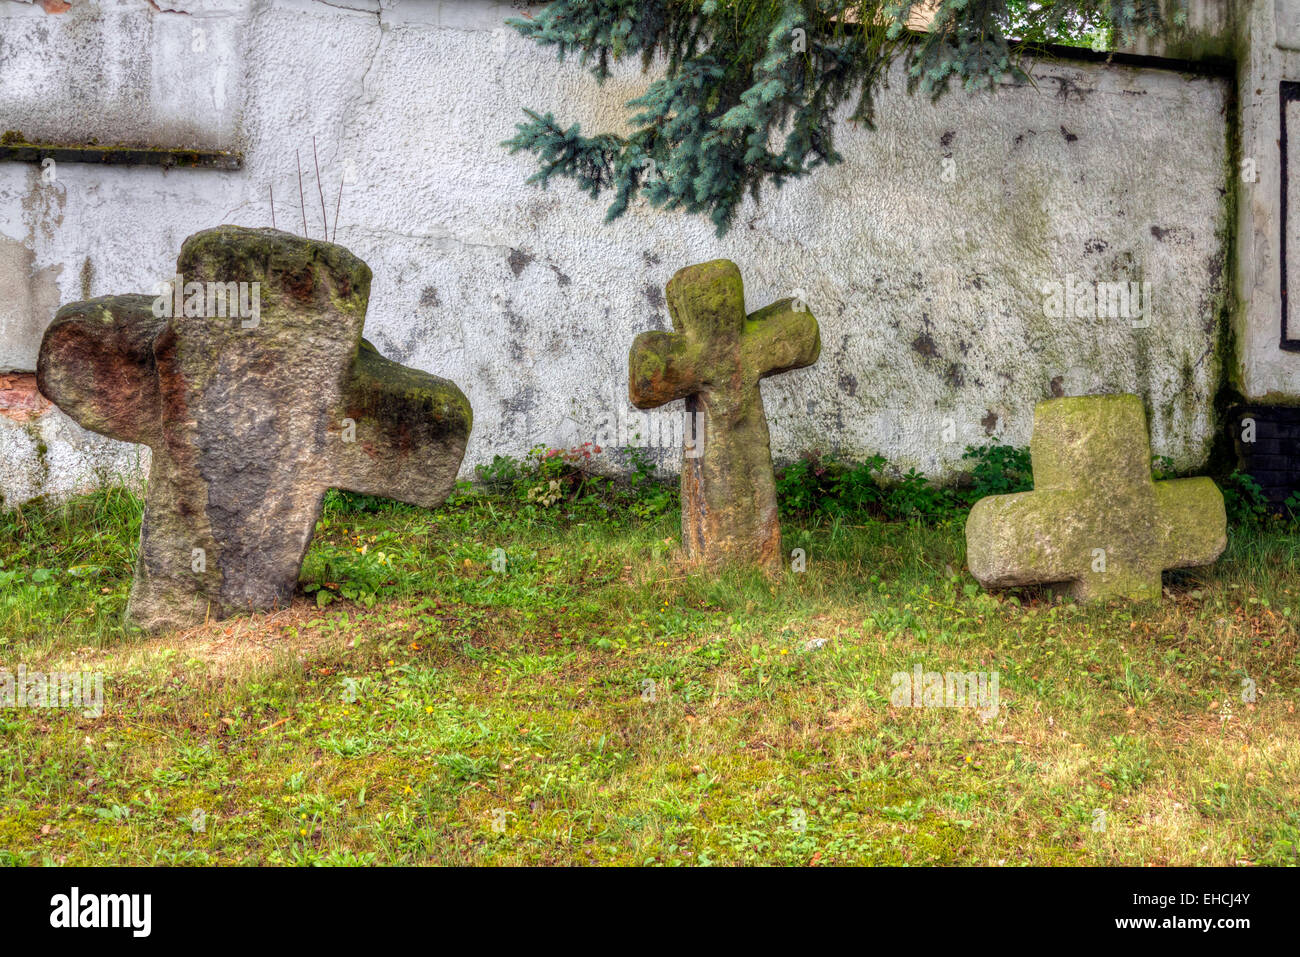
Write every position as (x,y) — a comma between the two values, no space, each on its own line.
(750,87)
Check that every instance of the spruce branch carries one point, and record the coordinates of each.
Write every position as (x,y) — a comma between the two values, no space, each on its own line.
(749,91)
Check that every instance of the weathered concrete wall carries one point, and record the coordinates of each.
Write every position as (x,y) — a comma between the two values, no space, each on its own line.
(924,255)
(1207,28)
(1270,54)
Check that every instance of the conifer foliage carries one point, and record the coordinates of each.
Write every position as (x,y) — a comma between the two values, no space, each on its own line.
(748,89)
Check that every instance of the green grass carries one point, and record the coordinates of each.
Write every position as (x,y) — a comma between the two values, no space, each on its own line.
(595,703)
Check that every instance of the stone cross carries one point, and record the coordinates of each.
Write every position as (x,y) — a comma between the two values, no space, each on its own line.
(1095,522)
(714,360)
(249,380)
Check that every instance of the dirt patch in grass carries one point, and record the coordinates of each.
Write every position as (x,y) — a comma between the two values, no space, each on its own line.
(230,649)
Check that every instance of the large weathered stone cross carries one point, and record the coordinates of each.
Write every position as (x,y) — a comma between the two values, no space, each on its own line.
(255,399)
(714,361)
(1095,521)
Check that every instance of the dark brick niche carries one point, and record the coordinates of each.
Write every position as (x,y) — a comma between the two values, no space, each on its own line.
(1273,459)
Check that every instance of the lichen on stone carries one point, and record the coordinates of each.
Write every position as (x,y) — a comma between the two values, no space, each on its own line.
(1096,523)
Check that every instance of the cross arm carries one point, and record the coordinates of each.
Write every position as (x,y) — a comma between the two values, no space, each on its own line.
(410,430)
(97,364)
(1026,538)
(662,366)
(1193,521)
(781,337)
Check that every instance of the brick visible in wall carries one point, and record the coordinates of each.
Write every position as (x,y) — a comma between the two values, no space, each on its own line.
(1273,459)
(19,399)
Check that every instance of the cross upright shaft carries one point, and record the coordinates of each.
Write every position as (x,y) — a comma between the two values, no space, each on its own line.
(714,359)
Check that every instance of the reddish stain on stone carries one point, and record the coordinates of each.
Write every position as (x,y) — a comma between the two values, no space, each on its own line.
(19,398)
(55,6)
(300,284)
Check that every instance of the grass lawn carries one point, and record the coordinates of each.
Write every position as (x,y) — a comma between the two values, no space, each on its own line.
(595,703)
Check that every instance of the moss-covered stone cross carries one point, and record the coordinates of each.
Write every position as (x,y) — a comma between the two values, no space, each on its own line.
(252,385)
(714,360)
(1096,522)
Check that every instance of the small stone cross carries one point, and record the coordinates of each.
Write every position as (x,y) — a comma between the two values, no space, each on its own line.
(249,380)
(714,360)
(1095,521)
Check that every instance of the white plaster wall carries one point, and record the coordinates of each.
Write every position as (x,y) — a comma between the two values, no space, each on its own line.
(929,292)
(1263,372)
(54,456)
(123,71)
